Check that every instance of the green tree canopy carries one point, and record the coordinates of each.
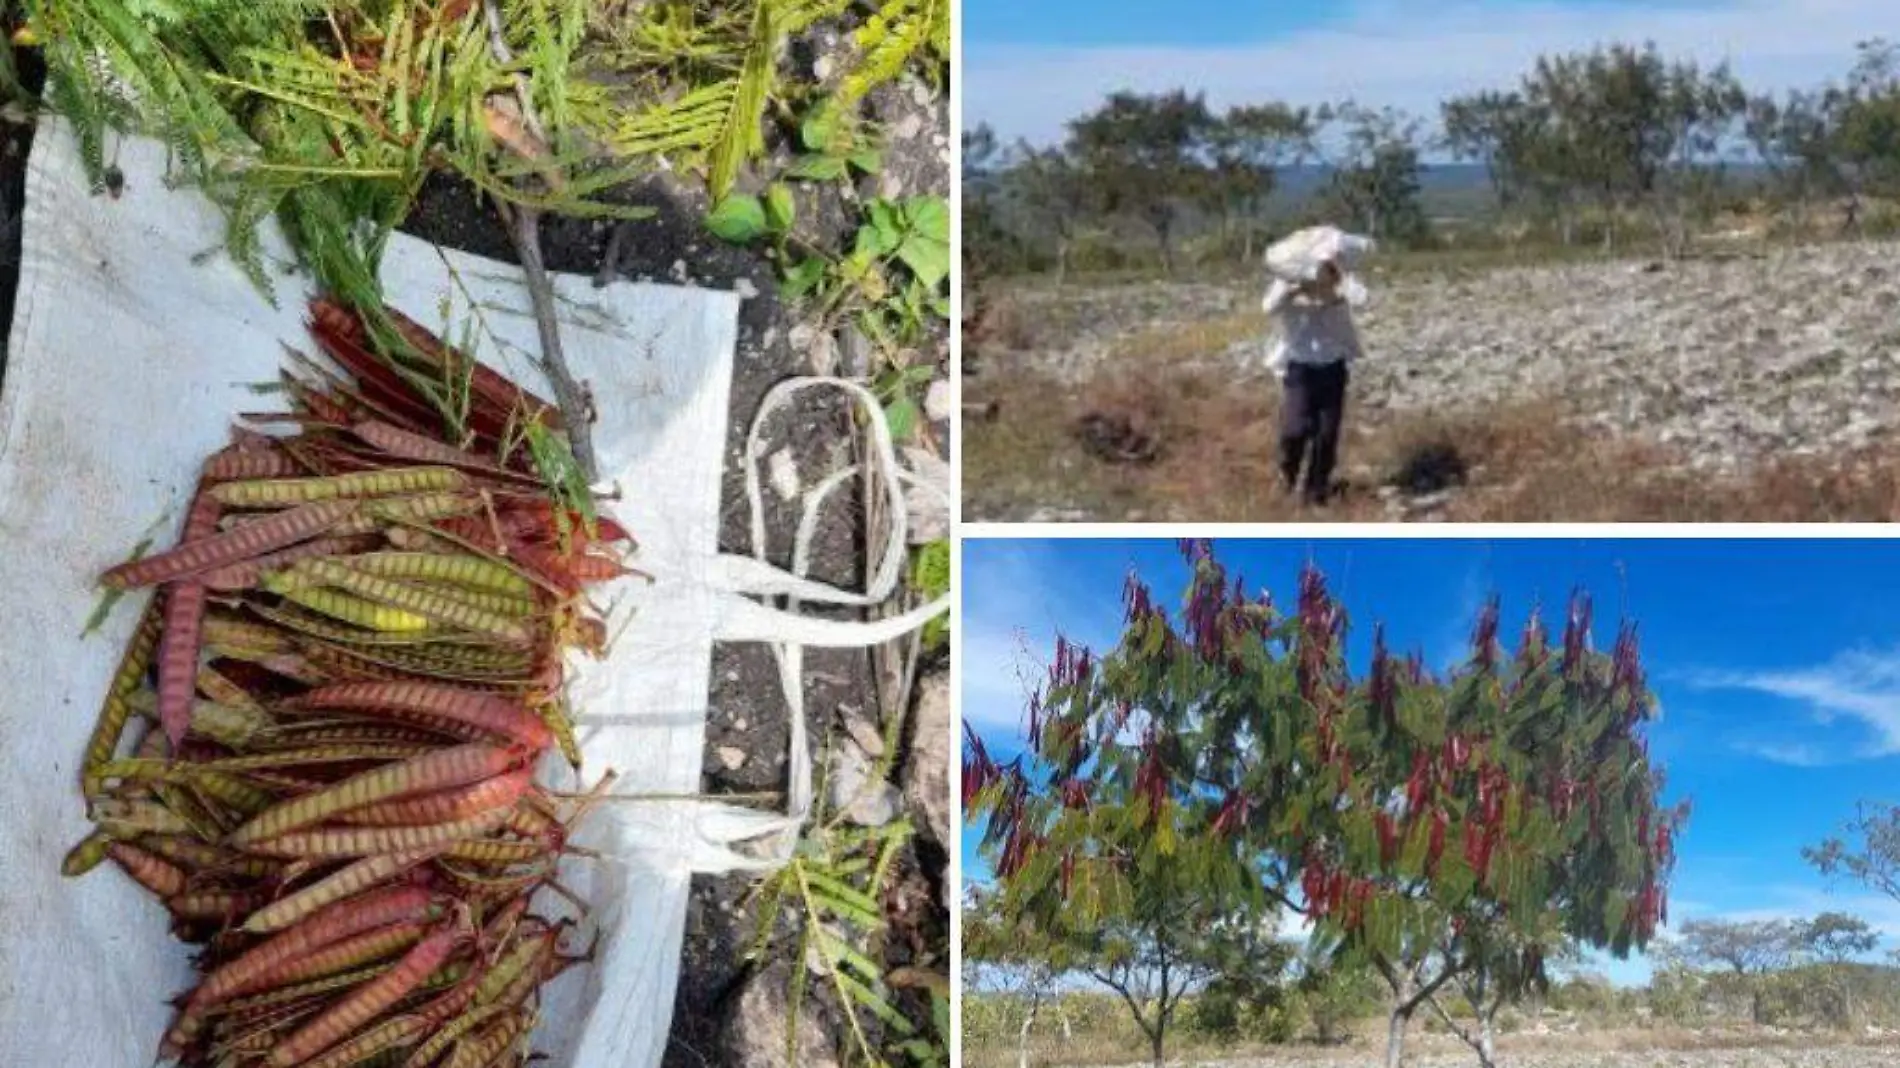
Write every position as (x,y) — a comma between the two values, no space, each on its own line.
(1836,937)
(1148,153)
(1433,827)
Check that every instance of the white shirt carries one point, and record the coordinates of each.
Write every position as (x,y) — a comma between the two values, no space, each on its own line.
(1310,332)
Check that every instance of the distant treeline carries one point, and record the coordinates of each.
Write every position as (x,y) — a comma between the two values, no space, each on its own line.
(1585,145)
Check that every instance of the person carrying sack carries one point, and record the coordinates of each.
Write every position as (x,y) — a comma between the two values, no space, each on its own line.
(1315,343)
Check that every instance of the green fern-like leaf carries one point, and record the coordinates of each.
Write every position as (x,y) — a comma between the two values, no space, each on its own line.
(890,39)
(740,137)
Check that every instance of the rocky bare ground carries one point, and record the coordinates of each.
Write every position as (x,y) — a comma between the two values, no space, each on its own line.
(1640,1048)
(1774,351)
(1743,1057)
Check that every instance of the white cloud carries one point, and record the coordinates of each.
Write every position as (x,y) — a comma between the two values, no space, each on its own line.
(1860,685)
(1413,55)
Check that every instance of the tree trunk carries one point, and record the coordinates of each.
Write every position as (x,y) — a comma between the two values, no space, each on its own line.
(1161,1061)
(1022,1038)
(1395,1037)
(1062,260)
(1487,1042)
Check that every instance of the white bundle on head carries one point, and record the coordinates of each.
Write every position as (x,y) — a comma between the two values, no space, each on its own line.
(1299,256)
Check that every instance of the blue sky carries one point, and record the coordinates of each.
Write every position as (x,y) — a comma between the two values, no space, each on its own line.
(1029,67)
(1777,664)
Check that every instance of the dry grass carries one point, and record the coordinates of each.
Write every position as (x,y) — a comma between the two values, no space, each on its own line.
(1215,442)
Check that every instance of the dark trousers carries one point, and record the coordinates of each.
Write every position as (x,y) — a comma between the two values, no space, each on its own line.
(1310,414)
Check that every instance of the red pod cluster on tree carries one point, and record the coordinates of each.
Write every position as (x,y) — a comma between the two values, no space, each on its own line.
(979,771)
(1388,831)
(1533,645)
(1151,780)
(1232,813)
(1381,691)
(1484,636)
(1418,785)
(1136,604)
(1626,669)
(1075,794)
(1576,635)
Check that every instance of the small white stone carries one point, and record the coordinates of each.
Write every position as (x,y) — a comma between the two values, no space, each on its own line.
(937,401)
(745,288)
(782,470)
(731,757)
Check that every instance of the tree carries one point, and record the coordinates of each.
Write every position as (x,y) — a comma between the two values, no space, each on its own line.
(1178,919)
(1426,826)
(1174,939)
(1014,958)
(1791,140)
(985,241)
(1748,950)
(1248,147)
(1148,154)
(1744,948)
(1870,853)
(1056,195)
(1696,118)
(1836,938)
(1864,124)
(1608,123)
(1334,993)
(1376,171)
(1498,131)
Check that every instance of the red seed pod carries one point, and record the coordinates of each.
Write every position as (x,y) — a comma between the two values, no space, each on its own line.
(1436,848)
(1388,837)
(1457,751)
(1418,786)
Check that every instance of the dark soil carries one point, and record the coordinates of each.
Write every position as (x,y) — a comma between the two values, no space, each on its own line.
(16,140)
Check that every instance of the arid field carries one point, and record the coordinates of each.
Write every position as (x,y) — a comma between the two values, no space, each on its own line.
(1752,382)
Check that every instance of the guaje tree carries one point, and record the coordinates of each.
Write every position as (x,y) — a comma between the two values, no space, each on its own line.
(1437,829)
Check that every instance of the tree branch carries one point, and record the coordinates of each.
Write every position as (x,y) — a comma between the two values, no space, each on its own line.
(1134,1007)
(525,230)
(1468,1038)
(1452,968)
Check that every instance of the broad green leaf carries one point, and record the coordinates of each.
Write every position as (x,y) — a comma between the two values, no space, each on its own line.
(739,219)
(886,224)
(820,127)
(868,160)
(817,169)
(926,245)
(803,277)
(902,416)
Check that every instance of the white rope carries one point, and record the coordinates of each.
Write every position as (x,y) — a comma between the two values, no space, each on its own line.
(771,837)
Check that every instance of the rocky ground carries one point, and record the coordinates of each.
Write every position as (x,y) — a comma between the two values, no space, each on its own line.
(1746,1057)
(1726,361)
(1636,1048)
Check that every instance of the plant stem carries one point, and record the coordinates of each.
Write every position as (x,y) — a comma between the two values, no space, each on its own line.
(525,229)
